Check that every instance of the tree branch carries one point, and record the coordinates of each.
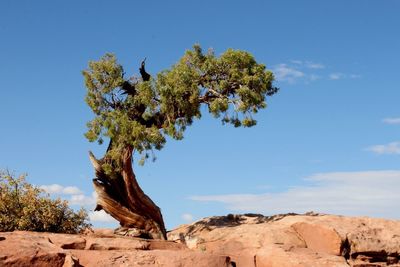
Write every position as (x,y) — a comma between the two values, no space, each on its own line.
(145,75)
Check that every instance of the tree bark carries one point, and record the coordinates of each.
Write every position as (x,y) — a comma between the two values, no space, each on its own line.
(120,195)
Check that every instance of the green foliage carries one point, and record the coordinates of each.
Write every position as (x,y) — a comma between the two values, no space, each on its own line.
(139,114)
(26,207)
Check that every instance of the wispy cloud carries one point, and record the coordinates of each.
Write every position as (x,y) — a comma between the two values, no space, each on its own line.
(355,76)
(72,194)
(392,120)
(59,189)
(306,71)
(391,148)
(314,77)
(83,200)
(336,76)
(288,74)
(187,217)
(371,193)
(298,62)
(313,65)
(101,216)
(308,64)
(339,76)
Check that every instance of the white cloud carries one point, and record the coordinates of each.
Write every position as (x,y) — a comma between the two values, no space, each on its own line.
(298,62)
(339,76)
(314,77)
(336,76)
(307,71)
(52,189)
(83,200)
(59,189)
(77,197)
(391,148)
(100,216)
(355,76)
(370,193)
(313,65)
(187,217)
(283,72)
(308,64)
(71,190)
(392,120)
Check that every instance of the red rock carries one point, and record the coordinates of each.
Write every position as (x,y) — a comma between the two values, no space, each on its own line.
(299,257)
(296,240)
(149,258)
(248,241)
(66,241)
(319,238)
(22,249)
(61,250)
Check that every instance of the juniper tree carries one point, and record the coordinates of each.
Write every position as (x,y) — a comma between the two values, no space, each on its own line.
(137,113)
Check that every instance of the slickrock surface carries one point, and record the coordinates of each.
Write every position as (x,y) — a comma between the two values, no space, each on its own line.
(223,241)
(99,249)
(296,240)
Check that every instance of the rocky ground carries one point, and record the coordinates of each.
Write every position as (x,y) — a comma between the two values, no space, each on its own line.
(235,240)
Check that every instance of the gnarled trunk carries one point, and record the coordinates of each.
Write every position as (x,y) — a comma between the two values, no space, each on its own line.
(120,195)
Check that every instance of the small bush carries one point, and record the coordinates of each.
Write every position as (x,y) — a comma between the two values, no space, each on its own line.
(26,207)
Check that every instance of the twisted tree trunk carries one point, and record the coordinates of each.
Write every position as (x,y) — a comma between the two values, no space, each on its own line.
(120,195)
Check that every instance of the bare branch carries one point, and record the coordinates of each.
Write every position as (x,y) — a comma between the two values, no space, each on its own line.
(145,75)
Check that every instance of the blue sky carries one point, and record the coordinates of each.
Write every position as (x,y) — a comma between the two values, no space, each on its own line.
(328,142)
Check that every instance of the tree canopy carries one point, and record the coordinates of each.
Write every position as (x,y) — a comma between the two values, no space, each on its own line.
(139,112)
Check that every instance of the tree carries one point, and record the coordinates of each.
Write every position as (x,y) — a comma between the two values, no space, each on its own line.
(137,113)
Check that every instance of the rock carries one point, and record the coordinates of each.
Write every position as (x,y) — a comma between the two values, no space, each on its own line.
(132,232)
(299,257)
(319,238)
(71,261)
(109,243)
(67,241)
(296,240)
(185,258)
(250,240)
(100,232)
(21,248)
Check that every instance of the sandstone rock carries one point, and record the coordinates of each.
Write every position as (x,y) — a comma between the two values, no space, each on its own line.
(298,257)
(150,258)
(296,240)
(21,248)
(128,243)
(71,261)
(250,240)
(67,241)
(319,238)
(109,243)
(100,232)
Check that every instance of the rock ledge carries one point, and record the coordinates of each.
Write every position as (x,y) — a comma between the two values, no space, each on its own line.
(249,240)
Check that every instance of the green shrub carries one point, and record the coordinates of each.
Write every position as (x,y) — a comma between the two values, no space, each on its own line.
(27,207)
